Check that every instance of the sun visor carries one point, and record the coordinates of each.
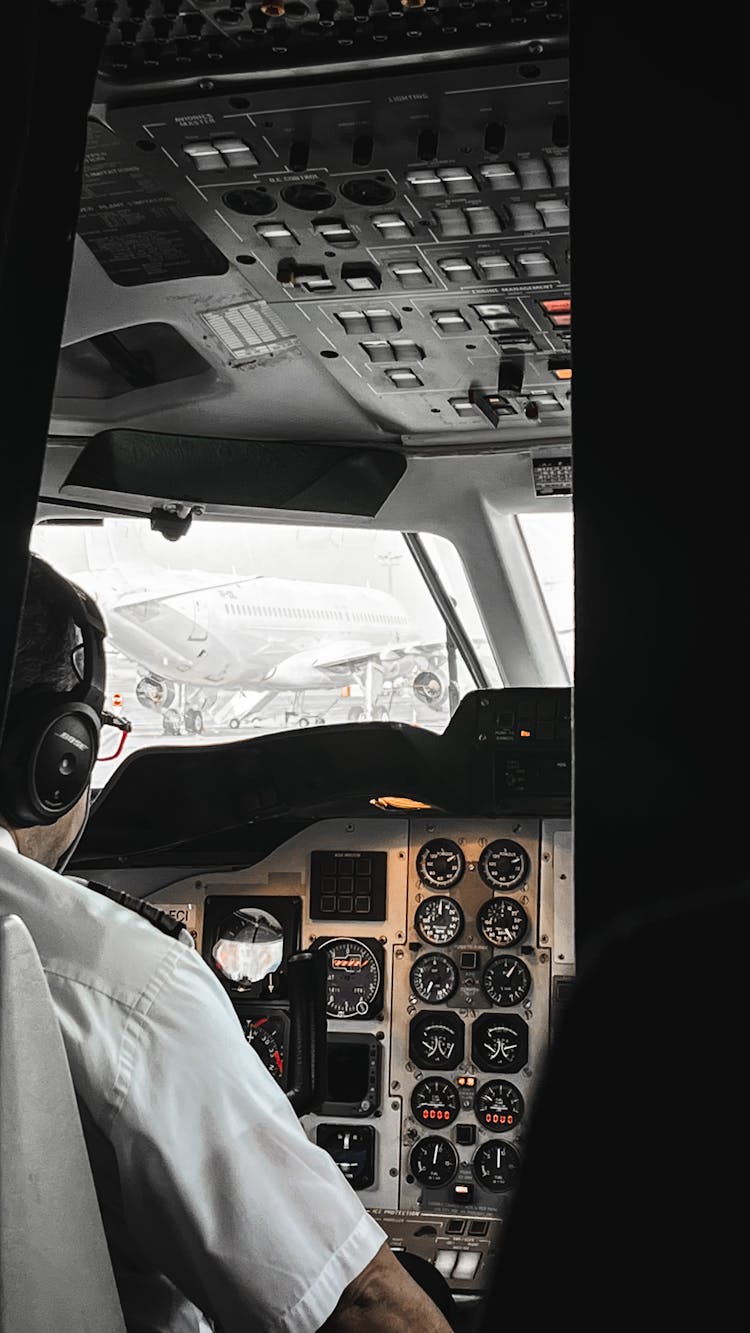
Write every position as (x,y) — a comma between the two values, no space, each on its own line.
(143,469)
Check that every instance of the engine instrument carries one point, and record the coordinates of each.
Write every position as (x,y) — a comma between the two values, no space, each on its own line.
(434,978)
(502,921)
(433,1162)
(440,863)
(506,981)
(439,921)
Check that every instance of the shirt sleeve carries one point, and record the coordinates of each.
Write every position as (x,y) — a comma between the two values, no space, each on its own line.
(222,1189)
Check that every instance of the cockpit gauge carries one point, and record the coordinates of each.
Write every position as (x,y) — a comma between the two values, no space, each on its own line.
(436,1041)
(265,1035)
(434,978)
(440,863)
(435,1102)
(439,921)
(504,864)
(506,980)
(498,1105)
(433,1162)
(354,977)
(502,921)
(500,1044)
(495,1166)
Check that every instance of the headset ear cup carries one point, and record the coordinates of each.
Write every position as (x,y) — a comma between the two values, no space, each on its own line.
(48,754)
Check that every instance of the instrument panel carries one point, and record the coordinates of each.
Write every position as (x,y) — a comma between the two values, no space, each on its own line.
(446,942)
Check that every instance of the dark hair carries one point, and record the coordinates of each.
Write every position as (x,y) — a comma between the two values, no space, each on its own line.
(47,636)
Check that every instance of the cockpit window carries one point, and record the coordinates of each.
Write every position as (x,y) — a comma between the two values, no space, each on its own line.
(549,541)
(242,629)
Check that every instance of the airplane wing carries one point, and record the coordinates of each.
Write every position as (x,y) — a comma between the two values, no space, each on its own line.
(345,653)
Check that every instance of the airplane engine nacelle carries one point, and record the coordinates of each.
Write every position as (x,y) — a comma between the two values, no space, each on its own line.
(429,688)
(151,692)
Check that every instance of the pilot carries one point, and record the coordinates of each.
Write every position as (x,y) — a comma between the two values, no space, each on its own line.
(219,1211)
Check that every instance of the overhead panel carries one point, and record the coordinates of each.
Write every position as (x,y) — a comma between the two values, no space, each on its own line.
(403,224)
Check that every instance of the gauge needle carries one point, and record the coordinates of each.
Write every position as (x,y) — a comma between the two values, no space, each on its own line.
(435,1154)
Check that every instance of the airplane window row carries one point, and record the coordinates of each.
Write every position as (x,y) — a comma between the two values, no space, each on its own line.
(313,613)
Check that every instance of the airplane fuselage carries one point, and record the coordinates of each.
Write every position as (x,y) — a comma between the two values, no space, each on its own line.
(261,632)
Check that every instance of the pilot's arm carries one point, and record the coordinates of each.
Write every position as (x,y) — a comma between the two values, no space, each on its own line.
(385,1299)
(225,1194)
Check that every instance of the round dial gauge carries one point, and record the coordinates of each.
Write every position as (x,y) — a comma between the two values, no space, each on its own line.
(502,921)
(434,978)
(440,863)
(496,1166)
(265,1037)
(435,1102)
(439,920)
(433,1162)
(500,1044)
(436,1041)
(353,978)
(506,980)
(504,864)
(498,1105)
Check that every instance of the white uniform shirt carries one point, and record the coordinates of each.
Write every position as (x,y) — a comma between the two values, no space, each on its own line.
(212,1196)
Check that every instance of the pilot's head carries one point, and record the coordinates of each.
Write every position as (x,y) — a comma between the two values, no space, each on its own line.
(51,734)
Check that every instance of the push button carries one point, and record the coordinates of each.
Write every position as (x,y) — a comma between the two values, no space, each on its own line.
(465,1268)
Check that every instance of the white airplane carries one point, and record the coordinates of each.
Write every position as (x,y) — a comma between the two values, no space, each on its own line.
(195,636)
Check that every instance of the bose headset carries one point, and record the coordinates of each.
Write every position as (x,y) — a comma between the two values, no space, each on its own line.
(51,737)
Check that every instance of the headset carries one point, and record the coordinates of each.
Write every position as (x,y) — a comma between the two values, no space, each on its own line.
(51,737)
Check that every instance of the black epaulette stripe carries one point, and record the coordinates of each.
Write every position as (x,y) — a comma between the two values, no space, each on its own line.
(162,920)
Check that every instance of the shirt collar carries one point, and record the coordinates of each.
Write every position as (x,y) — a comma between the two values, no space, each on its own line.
(7,840)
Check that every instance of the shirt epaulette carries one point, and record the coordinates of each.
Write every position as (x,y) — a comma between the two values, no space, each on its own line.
(161,920)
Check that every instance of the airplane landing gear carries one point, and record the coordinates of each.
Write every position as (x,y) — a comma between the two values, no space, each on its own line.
(170,721)
(194,721)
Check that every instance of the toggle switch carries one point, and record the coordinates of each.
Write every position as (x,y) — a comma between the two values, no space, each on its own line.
(494,137)
(535,264)
(426,184)
(457,180)
(276,234)
(404,379)
(499,175)
(427,145)
(299,155)
(457,270)
(204,156)
(493,406)
(451,321)
(361,277)
(554,211)
(362,150)
(510,374)
(382,321)
(392,226)
(236,153)
(495,268)
(533,173)
(378,352)
(524,217)
(410,274)
(334,231)
(559,169)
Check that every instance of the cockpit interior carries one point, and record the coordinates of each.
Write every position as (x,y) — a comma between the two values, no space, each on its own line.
(287,335)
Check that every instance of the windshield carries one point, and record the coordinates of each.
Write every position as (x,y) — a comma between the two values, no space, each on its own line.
(549,542)
(242,628)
